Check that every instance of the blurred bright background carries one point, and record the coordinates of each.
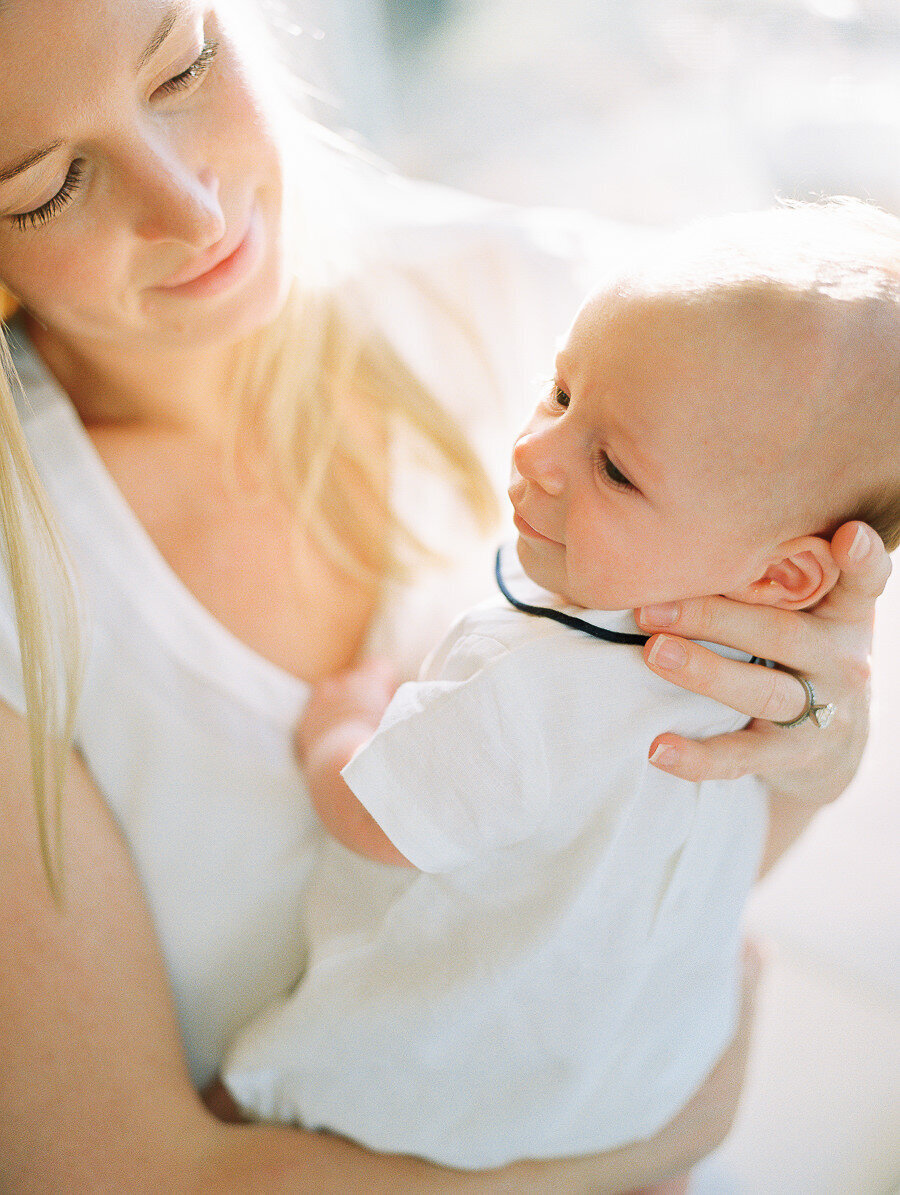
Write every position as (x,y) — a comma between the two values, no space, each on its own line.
(652,111)
(655,112)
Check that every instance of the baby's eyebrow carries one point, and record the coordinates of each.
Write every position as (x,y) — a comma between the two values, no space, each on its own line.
(559,365)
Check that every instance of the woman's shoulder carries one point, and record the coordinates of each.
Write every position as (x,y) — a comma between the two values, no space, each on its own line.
(415,218)
(34,400)
(439,262)
(484,250)
(472,294)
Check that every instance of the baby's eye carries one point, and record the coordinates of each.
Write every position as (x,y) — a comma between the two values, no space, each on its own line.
(614,475)
(558,396)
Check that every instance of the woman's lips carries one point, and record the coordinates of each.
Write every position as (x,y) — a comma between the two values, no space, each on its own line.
(216,271)
(526,529)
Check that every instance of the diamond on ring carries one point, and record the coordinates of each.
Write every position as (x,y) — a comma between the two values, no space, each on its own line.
(822,714)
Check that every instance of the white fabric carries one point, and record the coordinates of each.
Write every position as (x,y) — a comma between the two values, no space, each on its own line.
(568,974)
(223,869)
(187,733)
(185,730)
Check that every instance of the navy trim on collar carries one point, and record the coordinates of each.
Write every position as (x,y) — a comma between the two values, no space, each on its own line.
(567,620)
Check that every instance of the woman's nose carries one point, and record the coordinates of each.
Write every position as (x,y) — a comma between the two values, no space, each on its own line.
(176,204)
(538,460)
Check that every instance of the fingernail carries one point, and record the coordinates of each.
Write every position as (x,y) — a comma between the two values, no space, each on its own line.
(664,755)
(662,615)
(668,653)
(859,549)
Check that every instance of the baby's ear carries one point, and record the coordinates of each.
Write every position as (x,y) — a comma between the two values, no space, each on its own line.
(799,574)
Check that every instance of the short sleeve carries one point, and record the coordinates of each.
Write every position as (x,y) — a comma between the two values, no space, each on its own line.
(457,769)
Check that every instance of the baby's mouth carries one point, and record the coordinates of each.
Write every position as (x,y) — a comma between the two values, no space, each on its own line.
(526,529)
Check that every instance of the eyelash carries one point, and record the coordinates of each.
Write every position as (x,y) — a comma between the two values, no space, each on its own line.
(40,215)
(195,71)
(614,476)
(620,481)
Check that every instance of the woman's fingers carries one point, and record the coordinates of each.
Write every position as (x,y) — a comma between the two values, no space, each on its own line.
(829,646)
(725,757)
(750,689)
(865,567)
(794,640)
(790,638)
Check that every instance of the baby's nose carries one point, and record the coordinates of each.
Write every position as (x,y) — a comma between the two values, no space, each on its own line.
(537,462)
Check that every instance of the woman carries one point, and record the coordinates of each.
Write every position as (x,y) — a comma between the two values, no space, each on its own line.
(226,450)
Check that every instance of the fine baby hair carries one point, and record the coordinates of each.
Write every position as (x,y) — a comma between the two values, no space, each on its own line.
(817,284)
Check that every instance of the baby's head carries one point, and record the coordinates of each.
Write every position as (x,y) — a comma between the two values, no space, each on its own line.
(717,412)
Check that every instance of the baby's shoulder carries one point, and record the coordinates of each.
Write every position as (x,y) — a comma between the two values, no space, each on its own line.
(489,635)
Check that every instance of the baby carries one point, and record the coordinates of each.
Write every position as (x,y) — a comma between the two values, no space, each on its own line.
(562,969)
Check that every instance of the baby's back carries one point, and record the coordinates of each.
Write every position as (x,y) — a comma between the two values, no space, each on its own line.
(565,972)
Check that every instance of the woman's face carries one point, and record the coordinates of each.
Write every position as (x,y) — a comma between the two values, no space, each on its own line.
(140,183)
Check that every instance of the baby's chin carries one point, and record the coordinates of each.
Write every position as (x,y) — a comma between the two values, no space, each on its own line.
(551,575)
(592,594)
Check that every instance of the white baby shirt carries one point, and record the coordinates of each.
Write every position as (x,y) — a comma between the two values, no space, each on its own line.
(563,971)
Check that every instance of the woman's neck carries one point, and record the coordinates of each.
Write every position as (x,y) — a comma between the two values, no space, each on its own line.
(186,390)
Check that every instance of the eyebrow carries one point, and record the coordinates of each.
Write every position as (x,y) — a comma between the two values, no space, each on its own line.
(162,32)
(30,159)
(37,155)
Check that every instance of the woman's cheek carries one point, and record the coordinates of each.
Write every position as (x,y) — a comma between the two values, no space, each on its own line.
(64,279)
(257,138)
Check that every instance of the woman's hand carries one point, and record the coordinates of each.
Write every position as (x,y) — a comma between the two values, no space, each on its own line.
(829,645)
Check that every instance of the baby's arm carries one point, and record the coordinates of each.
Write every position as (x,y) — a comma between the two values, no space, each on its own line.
(341,715)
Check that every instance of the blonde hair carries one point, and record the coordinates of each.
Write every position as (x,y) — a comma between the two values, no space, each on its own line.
(314,388)
(44,601)
(302,387)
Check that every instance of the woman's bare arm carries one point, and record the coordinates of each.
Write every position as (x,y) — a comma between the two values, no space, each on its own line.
(94,1092)
(93,1089)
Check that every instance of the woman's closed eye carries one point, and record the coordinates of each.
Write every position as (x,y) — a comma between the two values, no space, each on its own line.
(192,74)
(40,215)
(182,82)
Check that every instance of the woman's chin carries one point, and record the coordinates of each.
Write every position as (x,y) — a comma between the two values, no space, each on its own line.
(200,323)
